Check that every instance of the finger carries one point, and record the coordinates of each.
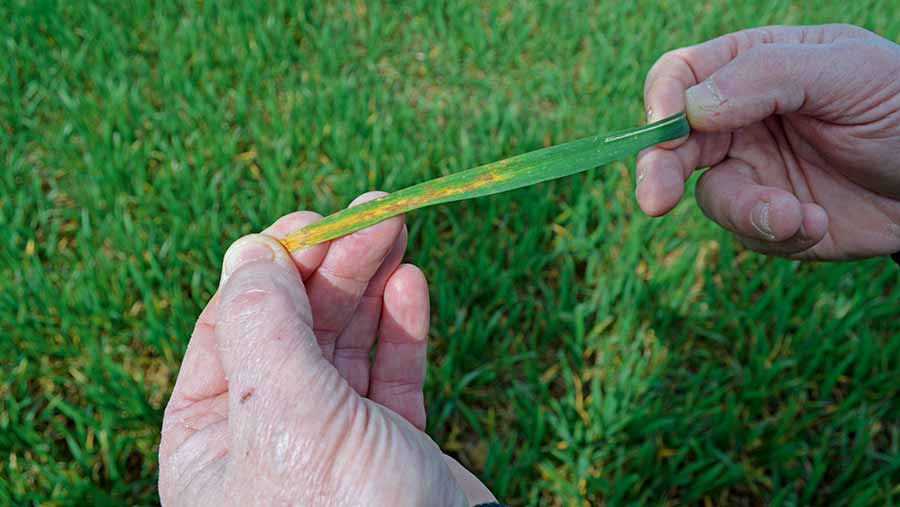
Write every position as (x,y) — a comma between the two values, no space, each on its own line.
(307,259)
(805,244)
(661,173)
(336,287)
(352,347)
(729,194)
(398,371)
(278,380)
(664,90)
(681,69)
(685,69)
(678,70)
(660,181)
(826,81)
(201,376)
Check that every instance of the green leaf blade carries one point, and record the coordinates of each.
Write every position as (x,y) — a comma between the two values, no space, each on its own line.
(501,176)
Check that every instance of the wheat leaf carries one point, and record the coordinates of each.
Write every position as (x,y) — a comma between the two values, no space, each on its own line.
(515,172)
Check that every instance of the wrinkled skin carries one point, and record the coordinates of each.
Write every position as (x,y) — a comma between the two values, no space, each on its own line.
(801,129)
(277,401)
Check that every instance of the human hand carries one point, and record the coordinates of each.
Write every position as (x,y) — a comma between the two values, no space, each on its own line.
(801,129)
(277,402)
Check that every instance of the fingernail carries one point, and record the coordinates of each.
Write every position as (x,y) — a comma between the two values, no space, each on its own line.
(704,97)
(759,217)
(248,249)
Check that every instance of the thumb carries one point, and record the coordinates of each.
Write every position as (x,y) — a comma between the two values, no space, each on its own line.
(276,374)
(771,79)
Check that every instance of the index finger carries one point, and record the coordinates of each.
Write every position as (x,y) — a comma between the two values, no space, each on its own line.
(680,69)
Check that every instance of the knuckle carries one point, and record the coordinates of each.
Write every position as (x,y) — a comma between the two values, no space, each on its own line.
(682,57)
(672,56)
(249,279)
(256,288)
(774,62)
(670,65)
(745,40)
(762,57)
(846,29)
(396,388)
(814,34)
(754,36)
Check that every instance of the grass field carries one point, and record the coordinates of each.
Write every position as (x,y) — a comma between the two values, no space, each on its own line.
(583,354)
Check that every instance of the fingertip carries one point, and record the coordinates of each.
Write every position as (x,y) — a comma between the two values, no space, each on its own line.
(307,259)
(814,224)
(660,181)
(777,215)
(664,91)
(408,278)
(674,143)
(652,206)
(291,222)
(389,228)
(664,95)
(663,103)
(366,197)
(359,255)
(251,249)
(812,232)
(406,302)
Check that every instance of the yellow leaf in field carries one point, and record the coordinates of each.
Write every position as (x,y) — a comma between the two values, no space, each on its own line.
(246,156)
(665,452)
(560,230)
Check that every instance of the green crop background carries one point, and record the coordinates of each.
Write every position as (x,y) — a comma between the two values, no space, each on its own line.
(582,354)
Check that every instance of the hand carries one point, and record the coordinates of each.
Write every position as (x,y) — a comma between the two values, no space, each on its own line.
(801,128)
(277,402)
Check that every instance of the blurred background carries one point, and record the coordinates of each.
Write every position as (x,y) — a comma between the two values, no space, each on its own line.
(582,354)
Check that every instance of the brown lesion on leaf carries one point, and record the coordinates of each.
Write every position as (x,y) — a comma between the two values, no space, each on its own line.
(390,205)
(438,191)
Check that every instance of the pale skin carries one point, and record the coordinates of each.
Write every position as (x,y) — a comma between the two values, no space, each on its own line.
(277,401)
(800,127)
